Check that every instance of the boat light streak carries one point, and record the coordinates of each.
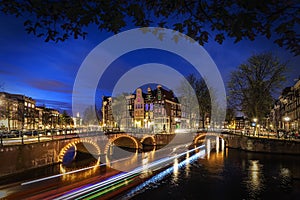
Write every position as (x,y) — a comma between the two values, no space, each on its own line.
(163,174)
(112,180)
(70,172)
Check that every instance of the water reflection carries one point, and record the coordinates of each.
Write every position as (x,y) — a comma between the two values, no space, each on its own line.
(214,162)
(239,175)
(208,148)
(255,179)
(121,158)
(145,163)
(285,179)
(175,171)
(217,144)
(80,173)
(153,182)
(188,164)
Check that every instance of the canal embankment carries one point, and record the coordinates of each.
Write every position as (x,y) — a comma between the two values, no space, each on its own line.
(263,145)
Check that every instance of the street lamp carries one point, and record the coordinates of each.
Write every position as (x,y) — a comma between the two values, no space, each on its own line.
(286,119)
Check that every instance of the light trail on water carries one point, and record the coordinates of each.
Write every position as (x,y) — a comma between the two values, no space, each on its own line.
(103,187)
(71,172)
(164,173)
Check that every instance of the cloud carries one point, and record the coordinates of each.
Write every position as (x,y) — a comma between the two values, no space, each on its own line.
(50,85)
(5,72)
(59,105)
(10,69)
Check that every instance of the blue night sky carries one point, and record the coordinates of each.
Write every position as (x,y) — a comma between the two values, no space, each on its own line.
(47,71)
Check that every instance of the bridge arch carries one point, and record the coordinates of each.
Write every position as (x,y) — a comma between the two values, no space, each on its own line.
(84,145)
(136,143)
(203,136)
(199,137)
(147,137)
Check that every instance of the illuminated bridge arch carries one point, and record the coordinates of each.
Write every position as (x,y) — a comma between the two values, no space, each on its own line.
(146,138)
(136,143)
(203,136)
(199,137)
(80,145)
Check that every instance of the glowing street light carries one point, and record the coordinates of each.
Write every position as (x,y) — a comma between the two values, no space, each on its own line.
(286,119)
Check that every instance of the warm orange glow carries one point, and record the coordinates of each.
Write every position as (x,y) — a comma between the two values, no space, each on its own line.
(111,141)
(73,143)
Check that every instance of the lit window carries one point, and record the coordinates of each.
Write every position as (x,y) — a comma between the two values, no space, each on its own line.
(25,103)
(146,107)
(151,106)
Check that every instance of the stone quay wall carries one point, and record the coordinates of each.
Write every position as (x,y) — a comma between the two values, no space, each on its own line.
(264,145)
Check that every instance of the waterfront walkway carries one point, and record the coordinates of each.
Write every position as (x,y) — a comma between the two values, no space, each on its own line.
(5,141)
(267,135)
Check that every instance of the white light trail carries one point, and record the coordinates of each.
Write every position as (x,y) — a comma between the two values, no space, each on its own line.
(70,172)
(163,174)
(82,191)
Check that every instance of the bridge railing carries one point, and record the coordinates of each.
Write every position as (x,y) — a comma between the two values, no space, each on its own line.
(22,138)
(266,135)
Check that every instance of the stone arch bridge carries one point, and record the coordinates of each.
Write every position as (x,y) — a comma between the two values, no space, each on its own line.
(28,156)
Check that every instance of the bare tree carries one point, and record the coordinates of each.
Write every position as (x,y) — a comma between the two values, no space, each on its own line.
(253,84)
(119,109)
(204,100)
(89,116)
(197,109)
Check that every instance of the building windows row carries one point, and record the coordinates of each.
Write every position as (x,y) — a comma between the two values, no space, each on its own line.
(147,107)
(286,111)
(20,113)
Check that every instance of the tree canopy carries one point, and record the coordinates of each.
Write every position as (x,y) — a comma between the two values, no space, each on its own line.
(253,84)
(218,19)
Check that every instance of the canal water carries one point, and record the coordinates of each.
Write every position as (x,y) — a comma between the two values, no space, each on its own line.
(229,174)
(232,174)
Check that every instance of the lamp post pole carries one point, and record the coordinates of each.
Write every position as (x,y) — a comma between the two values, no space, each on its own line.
(286,124)
(286,119)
